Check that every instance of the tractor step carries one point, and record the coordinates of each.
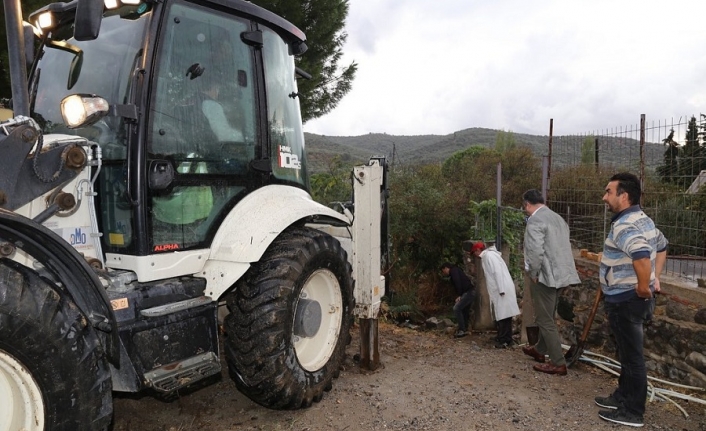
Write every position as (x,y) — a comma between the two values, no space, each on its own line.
(170,377)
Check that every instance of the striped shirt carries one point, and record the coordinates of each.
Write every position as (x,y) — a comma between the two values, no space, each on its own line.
(632,236)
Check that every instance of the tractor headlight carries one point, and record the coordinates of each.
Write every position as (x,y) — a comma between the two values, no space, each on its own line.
(80,110)
(114,4)
(45,21)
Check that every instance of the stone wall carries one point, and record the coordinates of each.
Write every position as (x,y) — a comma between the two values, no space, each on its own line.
(675,340)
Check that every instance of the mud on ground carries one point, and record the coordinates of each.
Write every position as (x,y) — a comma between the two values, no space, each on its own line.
(428,381)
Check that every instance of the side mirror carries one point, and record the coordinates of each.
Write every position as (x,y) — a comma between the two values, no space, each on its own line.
(29,36)
(89,14)
(75,70)
(161,174)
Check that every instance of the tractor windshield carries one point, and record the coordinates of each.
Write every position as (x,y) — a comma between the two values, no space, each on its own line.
(102,67)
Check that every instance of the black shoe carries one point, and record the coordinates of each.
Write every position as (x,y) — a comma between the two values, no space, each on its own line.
(608,402)
(622,417)
(499,345)
(460,334)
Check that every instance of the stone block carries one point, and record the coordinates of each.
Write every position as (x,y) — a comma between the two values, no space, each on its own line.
(434,323)
(679,311)
(696,380)
(697,360)
(700,316)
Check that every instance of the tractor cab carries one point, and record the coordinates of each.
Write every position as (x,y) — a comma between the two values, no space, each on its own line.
(193,107)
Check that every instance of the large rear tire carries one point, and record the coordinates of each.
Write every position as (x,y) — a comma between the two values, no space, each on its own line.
(290,319)
(53,373)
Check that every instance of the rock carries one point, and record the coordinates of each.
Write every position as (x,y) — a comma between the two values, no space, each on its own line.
(700,316)
(434,323)
(678,311)
(696,381)
(697,360)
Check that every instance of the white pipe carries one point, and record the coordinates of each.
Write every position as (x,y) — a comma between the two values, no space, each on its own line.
(609,365)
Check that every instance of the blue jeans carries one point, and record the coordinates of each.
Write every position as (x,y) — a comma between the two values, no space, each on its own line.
(461,309)
(626,321)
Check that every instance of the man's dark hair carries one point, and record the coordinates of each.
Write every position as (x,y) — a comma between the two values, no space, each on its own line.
(533,196)
(446,265)
(630,184)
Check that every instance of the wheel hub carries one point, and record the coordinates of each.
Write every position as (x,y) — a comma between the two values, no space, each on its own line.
(308,318)
(22,407)
(317,319)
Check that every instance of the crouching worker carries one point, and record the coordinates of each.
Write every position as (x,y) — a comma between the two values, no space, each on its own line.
(501,290)
(466,293)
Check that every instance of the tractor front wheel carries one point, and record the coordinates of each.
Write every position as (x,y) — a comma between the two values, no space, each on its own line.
(53,373)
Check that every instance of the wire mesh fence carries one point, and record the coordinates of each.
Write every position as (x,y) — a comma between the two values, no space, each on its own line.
(670,159)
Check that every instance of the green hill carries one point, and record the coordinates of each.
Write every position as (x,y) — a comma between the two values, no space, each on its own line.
(425,149)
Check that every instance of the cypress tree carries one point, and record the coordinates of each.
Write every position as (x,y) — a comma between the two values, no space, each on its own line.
(323,23)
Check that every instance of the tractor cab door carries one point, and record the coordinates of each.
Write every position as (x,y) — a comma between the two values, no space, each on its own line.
(202,133)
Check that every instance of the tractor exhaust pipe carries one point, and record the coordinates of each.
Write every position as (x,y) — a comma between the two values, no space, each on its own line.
(16,56)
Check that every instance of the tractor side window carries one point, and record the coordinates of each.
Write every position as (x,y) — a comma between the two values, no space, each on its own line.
(283,114)
(203,118)
(204,104)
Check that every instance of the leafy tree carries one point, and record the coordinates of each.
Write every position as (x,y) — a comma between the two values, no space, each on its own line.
(504,141)
(431,217)
(334,185)
(322,21)
(668,172)
(513,226)
(691,155)
(428,219)
(472,173)
(588,150)
(428,223)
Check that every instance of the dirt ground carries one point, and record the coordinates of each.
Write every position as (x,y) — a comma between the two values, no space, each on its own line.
(428,381)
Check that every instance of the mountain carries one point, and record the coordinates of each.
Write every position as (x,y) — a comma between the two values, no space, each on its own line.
(425,149)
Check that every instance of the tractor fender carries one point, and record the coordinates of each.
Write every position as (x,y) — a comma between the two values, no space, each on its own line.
(253,224)
(77,279)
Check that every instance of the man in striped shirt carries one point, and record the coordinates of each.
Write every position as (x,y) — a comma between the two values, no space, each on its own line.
(634,254)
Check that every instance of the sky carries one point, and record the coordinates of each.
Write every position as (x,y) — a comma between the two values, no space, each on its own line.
(440,66)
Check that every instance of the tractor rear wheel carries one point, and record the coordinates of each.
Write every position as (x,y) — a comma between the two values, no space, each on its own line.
(290,319)
(53,373)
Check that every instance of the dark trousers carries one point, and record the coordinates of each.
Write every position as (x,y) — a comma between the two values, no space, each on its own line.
(626,321)
(462,309)
(505,331)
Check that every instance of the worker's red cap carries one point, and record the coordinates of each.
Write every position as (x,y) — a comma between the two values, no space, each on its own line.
(479,246)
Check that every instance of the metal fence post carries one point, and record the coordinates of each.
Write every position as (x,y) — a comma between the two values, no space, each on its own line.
(498,198)
(545,188)
(642,157)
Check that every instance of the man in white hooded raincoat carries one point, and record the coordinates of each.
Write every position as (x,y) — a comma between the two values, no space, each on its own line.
(501,290)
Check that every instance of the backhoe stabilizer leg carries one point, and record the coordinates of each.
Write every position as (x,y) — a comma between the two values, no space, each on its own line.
(370,199)
(369,353)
